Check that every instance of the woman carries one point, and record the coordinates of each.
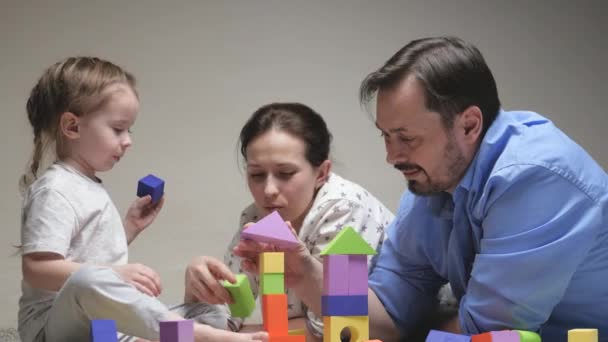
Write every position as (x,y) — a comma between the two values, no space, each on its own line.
(286,150)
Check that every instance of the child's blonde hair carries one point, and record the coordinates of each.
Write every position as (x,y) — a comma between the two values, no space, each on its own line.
(76,85)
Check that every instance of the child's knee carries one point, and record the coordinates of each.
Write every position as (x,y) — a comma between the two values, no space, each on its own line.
(87,280)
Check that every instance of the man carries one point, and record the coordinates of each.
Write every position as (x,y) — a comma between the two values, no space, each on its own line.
(502,205)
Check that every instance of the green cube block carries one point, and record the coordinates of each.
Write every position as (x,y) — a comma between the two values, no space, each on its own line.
(272,283)
(244,303)
(528,336)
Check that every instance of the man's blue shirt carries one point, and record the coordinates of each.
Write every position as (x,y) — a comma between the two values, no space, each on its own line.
(523,239)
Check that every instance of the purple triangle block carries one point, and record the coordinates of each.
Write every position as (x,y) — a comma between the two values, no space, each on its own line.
(271,229)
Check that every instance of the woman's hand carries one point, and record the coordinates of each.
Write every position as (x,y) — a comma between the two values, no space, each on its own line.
(203,281)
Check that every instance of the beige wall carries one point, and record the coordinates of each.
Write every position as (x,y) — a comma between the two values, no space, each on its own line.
(204,66)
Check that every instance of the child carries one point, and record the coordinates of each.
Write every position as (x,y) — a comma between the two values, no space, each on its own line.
(74,243)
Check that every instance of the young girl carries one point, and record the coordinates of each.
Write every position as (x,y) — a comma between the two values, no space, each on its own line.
(74,243)
(286,149)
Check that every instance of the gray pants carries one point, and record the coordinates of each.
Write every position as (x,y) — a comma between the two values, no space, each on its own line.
(95,292)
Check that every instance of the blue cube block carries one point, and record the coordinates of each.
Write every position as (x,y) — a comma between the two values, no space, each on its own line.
(344,305)
(151,185)
(442,336)
(103,330)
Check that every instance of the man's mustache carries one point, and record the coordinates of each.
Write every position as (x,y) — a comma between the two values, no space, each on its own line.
(406,166)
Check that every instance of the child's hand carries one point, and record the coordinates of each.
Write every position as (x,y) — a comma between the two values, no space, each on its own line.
(142,277)
(296,259)
(203,276)
(140,215)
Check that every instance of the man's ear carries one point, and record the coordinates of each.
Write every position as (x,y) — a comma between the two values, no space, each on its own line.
(323,173)
(470,122)
(69,125)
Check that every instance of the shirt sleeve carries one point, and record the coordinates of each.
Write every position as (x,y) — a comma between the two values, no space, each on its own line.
(330,220)
(48,223)
(537,229)
(402,278)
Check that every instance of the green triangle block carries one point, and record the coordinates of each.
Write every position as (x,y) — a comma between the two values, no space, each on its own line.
(348,242)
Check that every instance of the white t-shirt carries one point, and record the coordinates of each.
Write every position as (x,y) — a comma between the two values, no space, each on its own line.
(339,203)
(66,213)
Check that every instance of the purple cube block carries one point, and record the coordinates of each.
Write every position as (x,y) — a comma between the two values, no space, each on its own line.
(103,330)
(442,336)
(344,305)
(335,275)
(505,336)
(357,275)
(151,185)
(177,331)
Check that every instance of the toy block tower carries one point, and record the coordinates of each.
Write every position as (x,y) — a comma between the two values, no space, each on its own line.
(177,331)
(344,302)
(103,330)
(272,229)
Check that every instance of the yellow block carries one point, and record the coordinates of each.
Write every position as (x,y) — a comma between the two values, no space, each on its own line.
(333,326)
(582,335)
(272,262)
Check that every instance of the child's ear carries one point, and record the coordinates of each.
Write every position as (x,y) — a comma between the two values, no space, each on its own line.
(68,124)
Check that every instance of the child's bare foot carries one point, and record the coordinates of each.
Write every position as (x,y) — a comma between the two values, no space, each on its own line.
(208,334)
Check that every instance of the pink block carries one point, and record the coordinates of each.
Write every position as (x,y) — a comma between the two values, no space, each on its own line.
(357,275)
(505,336)
(271,229)
(335,275)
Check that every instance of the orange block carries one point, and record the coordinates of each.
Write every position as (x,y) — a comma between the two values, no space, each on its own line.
(485,337)
(274,314)
(289,338)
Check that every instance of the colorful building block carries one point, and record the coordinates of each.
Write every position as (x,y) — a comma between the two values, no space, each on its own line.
(505,336)
(274,314)
(333,326)
(271,229)
(272,262)
(528,336)
(344,305)
(442,336)
(151,185)
(485,337)
(103,330)
(357,275)
(348,242)
(177,331)
(582,335)
(241,293)
(335,275)
(272,283)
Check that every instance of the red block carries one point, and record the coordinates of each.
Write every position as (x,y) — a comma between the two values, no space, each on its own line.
(274,314)
(485,337)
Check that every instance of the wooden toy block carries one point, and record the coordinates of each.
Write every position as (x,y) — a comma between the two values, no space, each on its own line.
(271,229)
(357,275)
(151,185)
(344,305)
(274,314)
(582,335)
(272,283)
(505,336)
(177,331)
(335,275)
(485,337)
(103,330)
(333,326)
(297,332)
(241,293)
(272,262)
(442,336)
(528,336)
(348,242)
